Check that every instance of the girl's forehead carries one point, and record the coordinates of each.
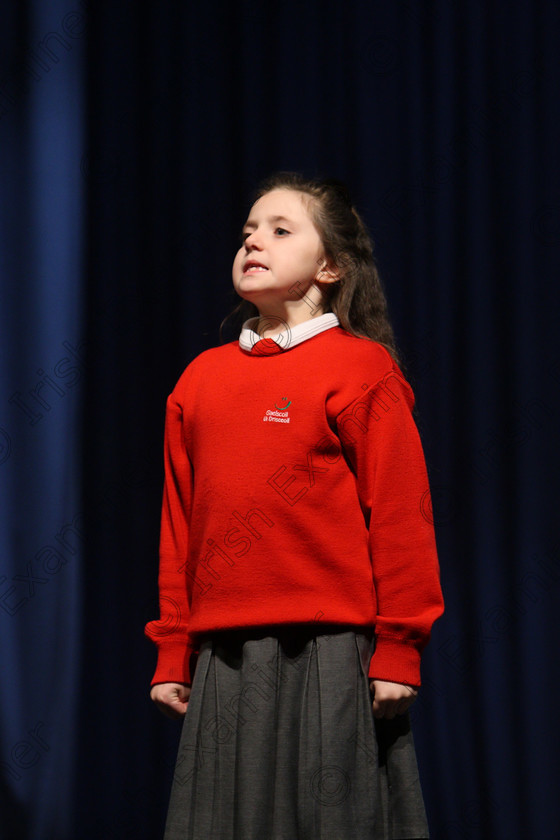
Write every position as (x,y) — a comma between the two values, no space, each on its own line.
(286,200)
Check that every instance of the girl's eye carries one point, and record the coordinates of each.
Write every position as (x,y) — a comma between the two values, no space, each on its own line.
(280,231)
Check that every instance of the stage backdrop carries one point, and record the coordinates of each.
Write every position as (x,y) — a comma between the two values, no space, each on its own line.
(130,138)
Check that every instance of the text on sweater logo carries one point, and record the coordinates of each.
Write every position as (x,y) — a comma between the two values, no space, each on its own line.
(280,413)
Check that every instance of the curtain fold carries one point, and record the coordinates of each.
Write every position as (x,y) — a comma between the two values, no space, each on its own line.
(42,107)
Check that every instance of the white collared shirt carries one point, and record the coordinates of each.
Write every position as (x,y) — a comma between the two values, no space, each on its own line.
(289,337)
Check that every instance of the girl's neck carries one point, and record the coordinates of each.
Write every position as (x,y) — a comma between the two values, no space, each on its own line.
(268,324)
(275,319)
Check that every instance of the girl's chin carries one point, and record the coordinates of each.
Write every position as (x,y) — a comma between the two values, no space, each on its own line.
(246,294)
(249,291)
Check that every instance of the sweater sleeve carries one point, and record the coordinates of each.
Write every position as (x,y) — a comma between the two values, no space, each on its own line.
(176,657)
(382,444)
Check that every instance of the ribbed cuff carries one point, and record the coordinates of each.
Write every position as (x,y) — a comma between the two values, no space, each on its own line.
(176,663)
(395,661)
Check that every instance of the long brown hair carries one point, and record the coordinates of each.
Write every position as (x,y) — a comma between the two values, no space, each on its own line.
(357,297)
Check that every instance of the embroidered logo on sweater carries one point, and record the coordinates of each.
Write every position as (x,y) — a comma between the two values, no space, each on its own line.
(280,413)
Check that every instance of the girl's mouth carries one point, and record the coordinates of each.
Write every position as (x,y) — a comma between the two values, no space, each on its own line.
(252,266)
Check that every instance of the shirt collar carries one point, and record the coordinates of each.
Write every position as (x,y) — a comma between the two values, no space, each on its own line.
(251,341)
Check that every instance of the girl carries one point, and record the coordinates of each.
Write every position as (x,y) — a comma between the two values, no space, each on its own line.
(298,577)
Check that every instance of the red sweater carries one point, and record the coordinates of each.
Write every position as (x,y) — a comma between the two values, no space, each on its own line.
(295,492)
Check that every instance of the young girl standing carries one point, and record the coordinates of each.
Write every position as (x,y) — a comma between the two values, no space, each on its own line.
(298,576)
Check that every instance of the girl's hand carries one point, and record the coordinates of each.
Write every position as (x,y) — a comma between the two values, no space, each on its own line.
(390,698)
(171,698)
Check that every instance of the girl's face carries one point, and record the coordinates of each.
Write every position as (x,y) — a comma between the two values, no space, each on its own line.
(282,252)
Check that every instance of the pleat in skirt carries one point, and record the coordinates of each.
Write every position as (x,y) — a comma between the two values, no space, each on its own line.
(279,743)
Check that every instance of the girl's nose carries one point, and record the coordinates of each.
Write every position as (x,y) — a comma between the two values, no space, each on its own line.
(253,240)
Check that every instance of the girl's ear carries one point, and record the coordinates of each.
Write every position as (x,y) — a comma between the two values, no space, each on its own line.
(327,274)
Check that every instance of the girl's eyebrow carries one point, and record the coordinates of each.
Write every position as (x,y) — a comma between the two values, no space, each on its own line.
(251,223)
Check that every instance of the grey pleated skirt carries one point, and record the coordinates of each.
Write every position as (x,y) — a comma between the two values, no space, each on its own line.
(279,743)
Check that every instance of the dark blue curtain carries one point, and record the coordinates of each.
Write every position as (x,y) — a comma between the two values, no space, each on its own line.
(42,237)
(130,138)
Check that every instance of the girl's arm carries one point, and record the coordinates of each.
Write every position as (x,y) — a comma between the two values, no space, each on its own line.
(175,654)
(381,441)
